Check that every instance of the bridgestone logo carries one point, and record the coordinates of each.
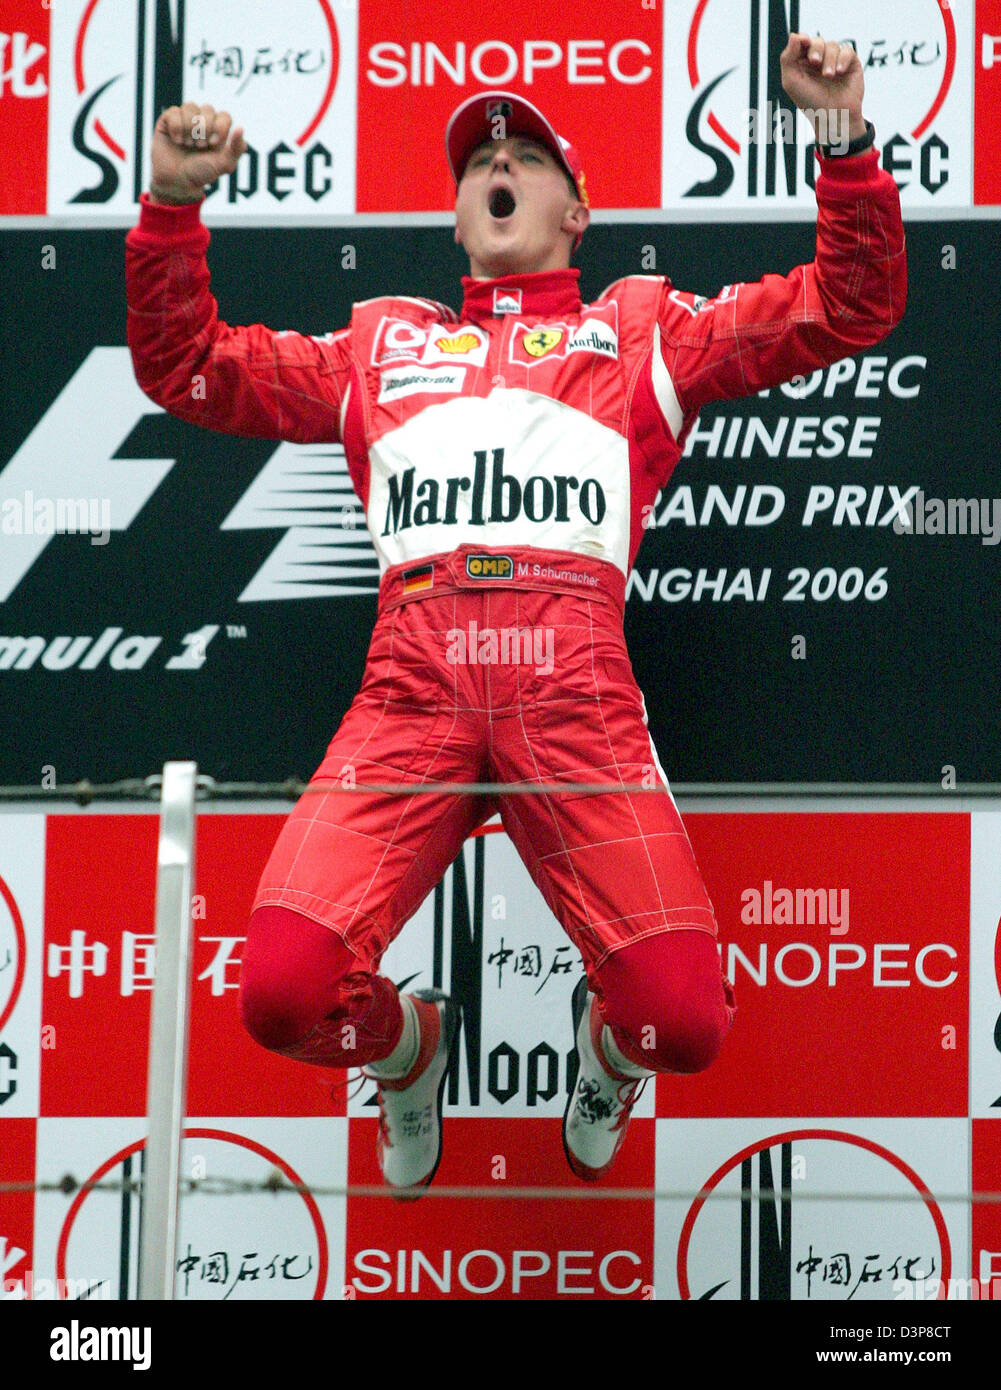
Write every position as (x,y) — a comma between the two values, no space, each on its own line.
(500,497)
(412,383)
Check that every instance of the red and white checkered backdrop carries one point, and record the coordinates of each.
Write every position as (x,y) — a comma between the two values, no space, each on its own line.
(864,947)
(863,942)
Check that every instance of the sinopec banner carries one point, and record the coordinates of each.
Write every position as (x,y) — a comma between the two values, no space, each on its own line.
(343,99)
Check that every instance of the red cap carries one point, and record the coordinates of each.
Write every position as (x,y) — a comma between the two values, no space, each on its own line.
(476,120)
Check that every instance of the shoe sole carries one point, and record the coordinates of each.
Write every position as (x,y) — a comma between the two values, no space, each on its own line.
(578,1005)
(450,1021)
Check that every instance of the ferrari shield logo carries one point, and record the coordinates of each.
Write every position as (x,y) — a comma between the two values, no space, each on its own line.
(541,340)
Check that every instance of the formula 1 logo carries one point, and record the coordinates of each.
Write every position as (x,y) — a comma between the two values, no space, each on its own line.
(745,139)
(325,550)
(130,62)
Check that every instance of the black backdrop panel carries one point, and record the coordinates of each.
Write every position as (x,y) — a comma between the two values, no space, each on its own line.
(887,668)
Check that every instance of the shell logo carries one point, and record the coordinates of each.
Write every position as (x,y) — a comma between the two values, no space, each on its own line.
(463,342)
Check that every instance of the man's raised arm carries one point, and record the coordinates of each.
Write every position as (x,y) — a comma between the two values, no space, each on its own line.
(250,381)
(757,335)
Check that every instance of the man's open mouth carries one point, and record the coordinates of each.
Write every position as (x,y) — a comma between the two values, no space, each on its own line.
(502,203)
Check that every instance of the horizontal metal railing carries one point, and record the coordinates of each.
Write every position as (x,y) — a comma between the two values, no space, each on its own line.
(85,792)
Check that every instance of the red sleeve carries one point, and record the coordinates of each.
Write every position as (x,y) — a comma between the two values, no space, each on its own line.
(250,381)
(753,336)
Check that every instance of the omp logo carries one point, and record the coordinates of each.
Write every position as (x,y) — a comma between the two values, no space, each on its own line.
(303,490)
(489,566)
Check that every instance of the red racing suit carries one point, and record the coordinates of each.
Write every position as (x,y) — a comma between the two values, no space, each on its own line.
(506,457)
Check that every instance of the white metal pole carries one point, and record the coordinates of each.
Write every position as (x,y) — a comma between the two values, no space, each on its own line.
(166,1091)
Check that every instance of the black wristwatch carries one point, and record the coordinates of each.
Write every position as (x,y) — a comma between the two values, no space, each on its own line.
(859,146)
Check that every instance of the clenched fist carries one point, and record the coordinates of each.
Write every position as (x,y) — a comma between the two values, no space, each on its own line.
(192,146)
(825,81)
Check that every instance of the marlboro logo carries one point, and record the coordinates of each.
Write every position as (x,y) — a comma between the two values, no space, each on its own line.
(507,301)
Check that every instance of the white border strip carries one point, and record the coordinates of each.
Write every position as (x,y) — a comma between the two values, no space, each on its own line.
(703,216)
(166,1093)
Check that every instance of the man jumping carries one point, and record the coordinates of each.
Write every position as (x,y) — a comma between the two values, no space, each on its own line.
(506,457)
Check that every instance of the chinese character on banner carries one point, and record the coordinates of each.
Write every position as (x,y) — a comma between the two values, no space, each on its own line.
(77,960)
(223,958)
(138,962)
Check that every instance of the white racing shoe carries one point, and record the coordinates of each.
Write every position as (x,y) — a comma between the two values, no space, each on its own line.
(600,1100)
(410,1108)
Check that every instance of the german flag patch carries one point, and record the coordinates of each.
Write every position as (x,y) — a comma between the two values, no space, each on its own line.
(415,581)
